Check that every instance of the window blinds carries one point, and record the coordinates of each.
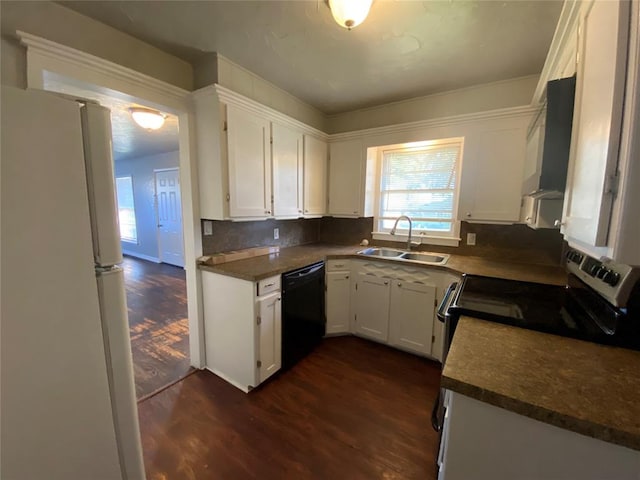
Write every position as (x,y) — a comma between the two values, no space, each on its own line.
(421,183)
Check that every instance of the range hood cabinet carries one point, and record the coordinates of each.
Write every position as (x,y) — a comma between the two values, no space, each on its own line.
(549,139)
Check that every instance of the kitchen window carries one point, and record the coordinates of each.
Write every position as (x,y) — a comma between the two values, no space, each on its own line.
(126,209)
(421,181)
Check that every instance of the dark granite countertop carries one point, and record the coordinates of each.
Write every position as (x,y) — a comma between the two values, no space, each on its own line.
(580,386)
(257,268)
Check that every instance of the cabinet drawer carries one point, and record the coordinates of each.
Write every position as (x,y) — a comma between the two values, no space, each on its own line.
(338,265)
(268,285)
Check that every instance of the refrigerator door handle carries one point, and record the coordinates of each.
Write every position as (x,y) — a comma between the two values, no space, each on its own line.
(103,207)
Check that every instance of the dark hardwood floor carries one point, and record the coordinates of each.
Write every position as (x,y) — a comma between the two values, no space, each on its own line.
(352,409)
(159,330)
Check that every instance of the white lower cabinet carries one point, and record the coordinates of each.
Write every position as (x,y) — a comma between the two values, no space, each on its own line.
(371,318)
(269,335)
(242,328)
(396,305)
(337,299)
(411,315)
(482,441)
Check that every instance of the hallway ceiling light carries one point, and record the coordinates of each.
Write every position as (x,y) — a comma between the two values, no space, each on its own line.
(147,118)
(349,13)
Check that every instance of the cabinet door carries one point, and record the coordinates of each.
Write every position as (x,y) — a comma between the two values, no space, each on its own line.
(286,154)
(337,302)
(346,177)
(315,176)
(372,307)
(249,164)
(269,343)
(597,122)
(490,191)
(411,316)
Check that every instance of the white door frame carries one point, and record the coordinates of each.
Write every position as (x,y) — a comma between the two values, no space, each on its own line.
(47,56)
(155,201)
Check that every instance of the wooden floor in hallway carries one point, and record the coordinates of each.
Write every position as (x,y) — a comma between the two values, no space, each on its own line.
(158,324)
(352,409)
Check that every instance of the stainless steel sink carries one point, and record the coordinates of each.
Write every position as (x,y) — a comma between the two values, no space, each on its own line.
(427,258)
(381,252)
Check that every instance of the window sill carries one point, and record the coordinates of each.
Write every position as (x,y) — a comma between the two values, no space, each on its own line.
(417,239)
(130,242)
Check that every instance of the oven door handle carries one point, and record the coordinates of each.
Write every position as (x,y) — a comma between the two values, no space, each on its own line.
(446,301)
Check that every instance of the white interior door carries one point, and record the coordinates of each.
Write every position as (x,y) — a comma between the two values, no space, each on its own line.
(169,208)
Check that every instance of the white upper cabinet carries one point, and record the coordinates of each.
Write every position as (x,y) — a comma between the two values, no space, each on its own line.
(492,166)
(286,151)
(591,184)
(250,159)
(349,171)
(315,176)
(249,164)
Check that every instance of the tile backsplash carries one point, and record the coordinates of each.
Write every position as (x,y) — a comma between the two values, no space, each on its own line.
(229,235)
(517,243)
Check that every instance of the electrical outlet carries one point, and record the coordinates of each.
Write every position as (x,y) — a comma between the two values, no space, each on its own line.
(276,233)
(208,227)
(471,238)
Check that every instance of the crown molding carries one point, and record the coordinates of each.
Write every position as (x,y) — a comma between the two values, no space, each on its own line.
(502,113)
(71,58)
(568,18)
(230,97)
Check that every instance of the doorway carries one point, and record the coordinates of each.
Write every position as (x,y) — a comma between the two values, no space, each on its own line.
(147,179)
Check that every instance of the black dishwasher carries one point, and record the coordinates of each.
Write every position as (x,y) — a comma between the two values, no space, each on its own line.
(303,318)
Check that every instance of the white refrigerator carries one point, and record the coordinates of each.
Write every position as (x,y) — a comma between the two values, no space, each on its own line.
(67,398)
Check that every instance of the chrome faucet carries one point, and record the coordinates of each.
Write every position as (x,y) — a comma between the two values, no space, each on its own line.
(395,225)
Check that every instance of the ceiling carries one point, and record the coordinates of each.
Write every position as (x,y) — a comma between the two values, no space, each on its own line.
(129,139)
(402,50)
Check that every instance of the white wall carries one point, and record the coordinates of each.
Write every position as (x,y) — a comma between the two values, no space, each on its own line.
(480,98)
(141,171)
(59,24)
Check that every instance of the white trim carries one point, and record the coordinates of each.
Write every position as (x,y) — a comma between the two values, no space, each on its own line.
(502,113)
(47,56)
(141,256)
(230,97)
(566,22)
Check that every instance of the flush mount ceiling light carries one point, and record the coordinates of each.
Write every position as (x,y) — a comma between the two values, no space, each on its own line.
(349,13)
(147,118)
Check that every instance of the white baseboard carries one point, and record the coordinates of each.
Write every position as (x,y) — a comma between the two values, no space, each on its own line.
(140,255)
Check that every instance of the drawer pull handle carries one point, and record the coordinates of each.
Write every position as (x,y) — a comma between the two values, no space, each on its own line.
(346,276)
(269,285)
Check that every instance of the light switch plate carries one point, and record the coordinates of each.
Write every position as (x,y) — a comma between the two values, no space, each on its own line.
(471,238)
(208,227)
(276,233)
